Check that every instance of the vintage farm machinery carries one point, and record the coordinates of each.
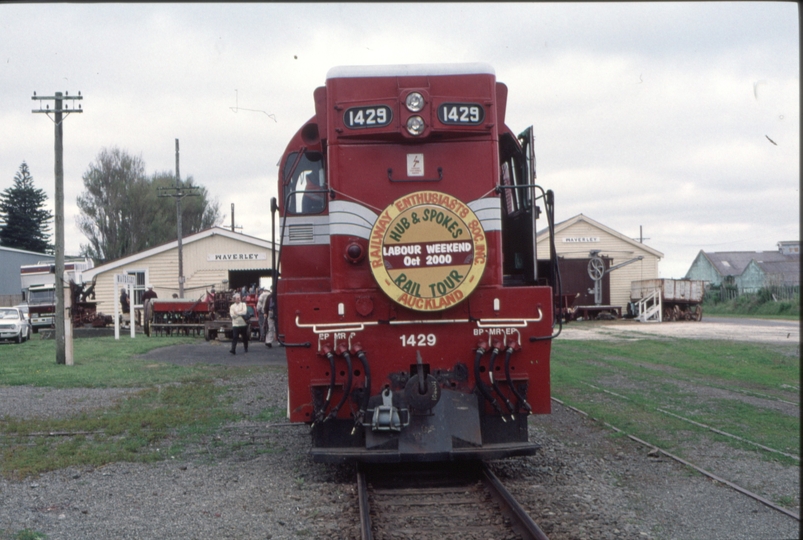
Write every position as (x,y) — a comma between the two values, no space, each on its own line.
(209,315)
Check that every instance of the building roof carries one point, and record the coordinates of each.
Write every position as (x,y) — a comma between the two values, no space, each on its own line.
(563,225)
(15,250)
(89,274)
(733,263)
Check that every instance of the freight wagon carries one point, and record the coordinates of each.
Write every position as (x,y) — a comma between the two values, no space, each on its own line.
(667,300)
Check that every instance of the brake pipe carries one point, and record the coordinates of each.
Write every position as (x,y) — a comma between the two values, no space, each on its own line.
(481,385)
(508,353)
(495,384)
(366,388)
(347,390)
(321,415)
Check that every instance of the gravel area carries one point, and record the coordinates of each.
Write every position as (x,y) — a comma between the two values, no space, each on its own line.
(255,480)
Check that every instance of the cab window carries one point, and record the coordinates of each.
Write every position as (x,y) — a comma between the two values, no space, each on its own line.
(305,183)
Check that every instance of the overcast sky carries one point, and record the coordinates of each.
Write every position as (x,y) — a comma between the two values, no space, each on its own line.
(682,118)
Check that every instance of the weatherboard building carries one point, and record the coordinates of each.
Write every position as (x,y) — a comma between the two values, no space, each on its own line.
(215,257)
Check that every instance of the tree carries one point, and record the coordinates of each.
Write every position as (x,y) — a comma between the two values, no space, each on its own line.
(197,213)
(121,213)
(22,208)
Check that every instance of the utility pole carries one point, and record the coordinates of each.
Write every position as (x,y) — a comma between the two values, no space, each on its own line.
(179,192)
(640,235)
(232,220)
(59,113)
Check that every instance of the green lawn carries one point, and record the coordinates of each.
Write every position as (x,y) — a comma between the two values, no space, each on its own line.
(739,388)
(169,407)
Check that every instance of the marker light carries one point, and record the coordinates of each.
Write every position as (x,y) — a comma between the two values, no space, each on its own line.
(415,125)
(414,102)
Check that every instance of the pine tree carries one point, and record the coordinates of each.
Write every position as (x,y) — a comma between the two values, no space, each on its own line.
(26,220)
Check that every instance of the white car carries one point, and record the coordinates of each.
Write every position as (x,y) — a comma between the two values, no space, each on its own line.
(24,309)
(14,325)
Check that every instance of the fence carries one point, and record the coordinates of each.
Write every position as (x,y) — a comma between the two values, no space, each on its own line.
(782,293)
(8,300)
(777,293)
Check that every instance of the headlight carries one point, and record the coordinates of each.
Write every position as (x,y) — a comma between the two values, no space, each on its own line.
(414,102)
(415,125)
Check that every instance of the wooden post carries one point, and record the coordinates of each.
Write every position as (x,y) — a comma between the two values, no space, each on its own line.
(68,344)
(58,117)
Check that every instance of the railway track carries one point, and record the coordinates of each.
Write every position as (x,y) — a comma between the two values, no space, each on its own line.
(439,501)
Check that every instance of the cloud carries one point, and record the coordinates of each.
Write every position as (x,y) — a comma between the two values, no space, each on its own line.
(645,114)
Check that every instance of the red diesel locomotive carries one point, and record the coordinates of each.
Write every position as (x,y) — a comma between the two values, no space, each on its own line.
(415,314)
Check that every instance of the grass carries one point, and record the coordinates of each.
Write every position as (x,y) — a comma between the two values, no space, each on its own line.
(101,362)
(172,407)
(169,407)
(24,534)
(757,305)
(733,387)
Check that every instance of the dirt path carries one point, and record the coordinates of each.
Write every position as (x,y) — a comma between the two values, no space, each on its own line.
(755,330)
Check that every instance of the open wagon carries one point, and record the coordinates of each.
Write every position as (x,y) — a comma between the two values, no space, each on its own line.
(656,300)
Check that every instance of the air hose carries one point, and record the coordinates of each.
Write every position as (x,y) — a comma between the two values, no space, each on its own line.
(321,414)
(521,399)
(481,385)
(366,390)
(346,390)
(495,384)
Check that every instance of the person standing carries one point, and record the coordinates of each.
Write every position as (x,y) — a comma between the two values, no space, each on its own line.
(262,309)
(125,305)
(271,309)
(124,300)
(147,296)
(239,326)
(150,294)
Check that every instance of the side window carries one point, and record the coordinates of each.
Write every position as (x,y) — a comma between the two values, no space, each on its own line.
(513,173)
(139,288)
(305,184)
(507,180)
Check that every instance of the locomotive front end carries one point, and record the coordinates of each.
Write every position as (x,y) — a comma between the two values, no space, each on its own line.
(416,315)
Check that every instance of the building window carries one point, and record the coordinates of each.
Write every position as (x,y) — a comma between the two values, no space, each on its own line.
(139,287)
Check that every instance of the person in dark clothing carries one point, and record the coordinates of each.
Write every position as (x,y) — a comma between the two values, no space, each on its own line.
(147,296)
(124,300)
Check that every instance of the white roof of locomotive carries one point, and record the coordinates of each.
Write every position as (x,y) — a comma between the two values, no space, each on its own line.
(406,70)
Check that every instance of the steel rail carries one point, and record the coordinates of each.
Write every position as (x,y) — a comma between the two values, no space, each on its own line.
(365,507)
(518,519)
(522,522)
(704,426)
(702,471)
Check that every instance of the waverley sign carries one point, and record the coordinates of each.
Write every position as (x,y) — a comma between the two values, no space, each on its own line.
(237,256)
(581,239)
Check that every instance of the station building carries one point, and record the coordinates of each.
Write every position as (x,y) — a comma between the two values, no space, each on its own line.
(214,258)
(576,239)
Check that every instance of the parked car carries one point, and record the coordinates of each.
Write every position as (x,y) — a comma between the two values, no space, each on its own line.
(13,325)
(27,313)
